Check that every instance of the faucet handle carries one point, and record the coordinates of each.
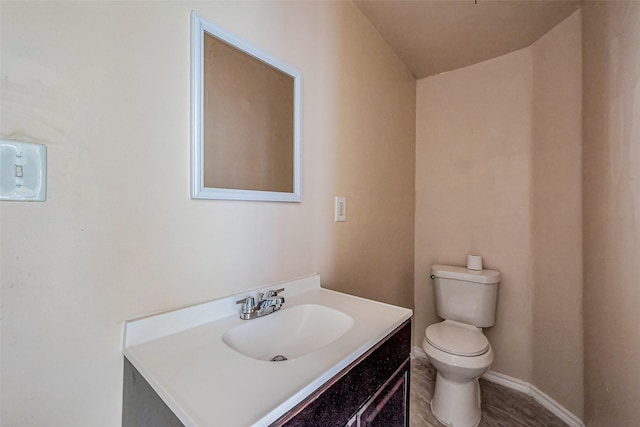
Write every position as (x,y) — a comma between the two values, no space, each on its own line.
(249,304)
(274,293)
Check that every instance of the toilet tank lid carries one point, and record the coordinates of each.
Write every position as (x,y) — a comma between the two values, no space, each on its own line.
(486,277)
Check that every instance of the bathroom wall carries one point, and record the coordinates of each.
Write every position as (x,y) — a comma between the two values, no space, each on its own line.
(498,173)
(106,87)
(611,158)
(557,215)
(373,166)
(473,186)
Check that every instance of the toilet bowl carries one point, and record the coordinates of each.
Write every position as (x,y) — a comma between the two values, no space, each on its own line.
(461,354)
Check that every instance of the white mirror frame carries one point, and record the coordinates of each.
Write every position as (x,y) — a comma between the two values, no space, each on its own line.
(199,26)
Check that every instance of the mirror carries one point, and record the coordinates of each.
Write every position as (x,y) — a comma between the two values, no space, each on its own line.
(245,119)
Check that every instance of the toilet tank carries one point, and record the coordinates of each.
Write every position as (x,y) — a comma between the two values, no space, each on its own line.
(466,296)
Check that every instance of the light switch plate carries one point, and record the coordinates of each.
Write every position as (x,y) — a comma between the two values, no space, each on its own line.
(23,171)
(341,209)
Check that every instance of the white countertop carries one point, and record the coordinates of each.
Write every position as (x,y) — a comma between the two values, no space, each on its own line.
(206,383)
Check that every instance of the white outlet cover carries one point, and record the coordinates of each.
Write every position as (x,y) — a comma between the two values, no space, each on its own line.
(23,171)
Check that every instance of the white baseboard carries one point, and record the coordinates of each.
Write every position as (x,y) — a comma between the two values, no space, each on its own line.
(507,381)
(542,398)
(524,387)
(555,408)
(418,352)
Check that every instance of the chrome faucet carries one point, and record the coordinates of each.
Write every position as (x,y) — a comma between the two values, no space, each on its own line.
(263,306)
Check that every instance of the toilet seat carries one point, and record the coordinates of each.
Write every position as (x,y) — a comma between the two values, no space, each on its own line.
(457,338)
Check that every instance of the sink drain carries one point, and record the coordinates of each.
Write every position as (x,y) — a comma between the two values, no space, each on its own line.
(278,358)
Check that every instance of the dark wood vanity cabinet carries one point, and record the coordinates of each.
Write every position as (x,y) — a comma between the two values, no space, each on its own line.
(372,391)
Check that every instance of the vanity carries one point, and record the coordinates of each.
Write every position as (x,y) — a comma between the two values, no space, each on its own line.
(337,360)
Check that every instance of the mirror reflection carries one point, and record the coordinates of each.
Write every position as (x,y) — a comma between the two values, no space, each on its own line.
(246,120)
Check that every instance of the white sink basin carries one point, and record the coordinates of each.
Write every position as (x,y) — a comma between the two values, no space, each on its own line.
(290,332)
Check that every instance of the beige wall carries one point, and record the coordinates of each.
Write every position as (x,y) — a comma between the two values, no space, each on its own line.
(473,158)
(611,36)
(498,173)
(557,215)
(373,166)
(106,87)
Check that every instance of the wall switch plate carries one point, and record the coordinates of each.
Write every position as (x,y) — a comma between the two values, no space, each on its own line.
(341,208)
(23,171)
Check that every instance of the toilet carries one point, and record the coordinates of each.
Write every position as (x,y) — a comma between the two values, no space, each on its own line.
(456,347)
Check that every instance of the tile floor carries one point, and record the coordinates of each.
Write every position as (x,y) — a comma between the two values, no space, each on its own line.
(501,406)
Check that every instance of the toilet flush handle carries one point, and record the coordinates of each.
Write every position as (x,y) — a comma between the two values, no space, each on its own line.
(433,277)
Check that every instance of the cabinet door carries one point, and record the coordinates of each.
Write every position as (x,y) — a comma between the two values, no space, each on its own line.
(388,407)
